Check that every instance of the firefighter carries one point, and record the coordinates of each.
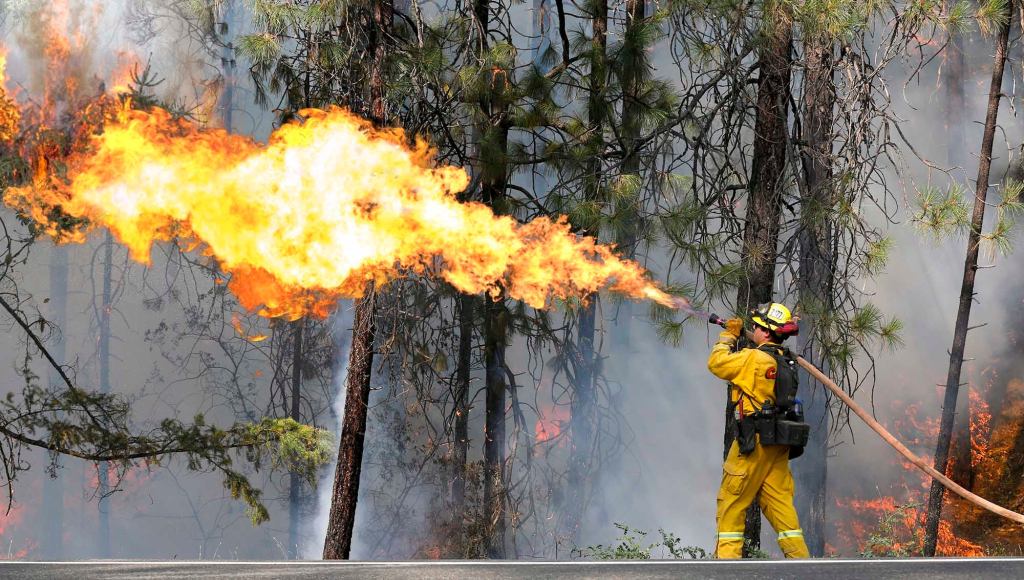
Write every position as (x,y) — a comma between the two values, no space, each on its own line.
(751,373)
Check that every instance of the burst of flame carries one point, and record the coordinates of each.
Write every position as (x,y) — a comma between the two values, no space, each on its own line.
(324,207)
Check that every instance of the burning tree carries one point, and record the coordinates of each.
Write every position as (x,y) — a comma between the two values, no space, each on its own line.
(967,296)
(65,418)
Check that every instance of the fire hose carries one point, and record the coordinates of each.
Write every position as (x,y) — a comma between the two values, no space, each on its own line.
(888,437)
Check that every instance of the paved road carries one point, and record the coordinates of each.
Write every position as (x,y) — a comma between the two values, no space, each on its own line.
(936,569)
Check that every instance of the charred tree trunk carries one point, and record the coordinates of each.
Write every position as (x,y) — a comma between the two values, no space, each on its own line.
(462,376)
(295,482)
(53,486)
(103,538)
(582,408)
(764,201)
(495,336)
(581,422)
(228,63)
(963,315)
(496,328)
(817,270)
(338,544)
(341,520)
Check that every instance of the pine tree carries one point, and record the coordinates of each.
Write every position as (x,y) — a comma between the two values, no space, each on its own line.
(344,498)
(967,294)
(582,411)
(766,187)
(816,276)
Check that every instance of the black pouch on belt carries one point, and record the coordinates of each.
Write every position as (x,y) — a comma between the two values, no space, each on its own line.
(792,433)
(746,437)
(766,428)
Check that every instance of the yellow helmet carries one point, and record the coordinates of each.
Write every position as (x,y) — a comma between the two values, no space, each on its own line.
(775,317)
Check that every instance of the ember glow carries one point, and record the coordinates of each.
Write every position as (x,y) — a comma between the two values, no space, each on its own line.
(551,422)
(326,206)
(12,534)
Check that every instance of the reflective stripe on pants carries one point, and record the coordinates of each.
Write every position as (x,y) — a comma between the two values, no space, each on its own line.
(730,536)
(764,471)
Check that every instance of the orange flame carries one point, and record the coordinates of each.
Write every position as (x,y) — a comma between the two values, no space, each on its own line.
(324,207)
(906,533)
(859,522)
(980,428)
(10,115)
(13,533)
(236,323)
(124,76)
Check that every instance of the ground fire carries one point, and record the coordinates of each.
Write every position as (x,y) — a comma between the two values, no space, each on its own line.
(901,512)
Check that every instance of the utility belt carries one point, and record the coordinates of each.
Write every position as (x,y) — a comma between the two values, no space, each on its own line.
(775,428)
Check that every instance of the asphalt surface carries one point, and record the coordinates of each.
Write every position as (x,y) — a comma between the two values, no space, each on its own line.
(828,569)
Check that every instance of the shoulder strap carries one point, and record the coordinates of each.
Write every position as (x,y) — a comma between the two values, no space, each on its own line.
(777,351)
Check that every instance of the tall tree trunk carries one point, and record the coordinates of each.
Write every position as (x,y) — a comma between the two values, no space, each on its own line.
(295,482)
(342,517)
(817,269)
(462,376)
(581,423)
(582,408)
(103,537)
(953,83)
(963,315)
(494,178)
(632,85)
(53,487)
(496,328)
(341,520)
(495,339)
(764,201)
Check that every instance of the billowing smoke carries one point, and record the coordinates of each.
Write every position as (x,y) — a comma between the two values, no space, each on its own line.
(316,531)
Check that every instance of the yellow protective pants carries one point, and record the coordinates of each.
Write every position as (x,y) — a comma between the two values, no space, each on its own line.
(765,470)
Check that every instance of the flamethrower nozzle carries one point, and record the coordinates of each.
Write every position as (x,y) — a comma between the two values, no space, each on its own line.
(716,319)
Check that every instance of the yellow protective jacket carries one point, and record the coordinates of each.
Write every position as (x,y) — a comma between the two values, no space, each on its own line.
(762,475)
(751,371)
